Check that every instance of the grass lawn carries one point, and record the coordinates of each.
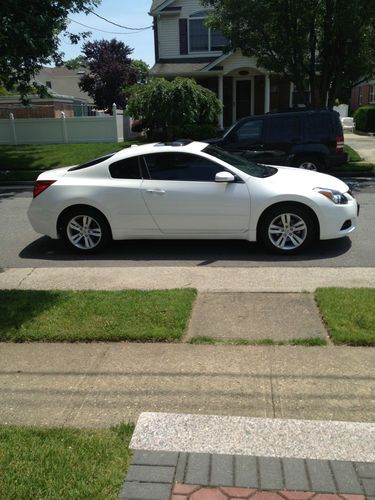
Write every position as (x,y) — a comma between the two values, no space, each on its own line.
(355,167)
(47,156)
(63,463)
(53,316)
(349,314)
(353,155)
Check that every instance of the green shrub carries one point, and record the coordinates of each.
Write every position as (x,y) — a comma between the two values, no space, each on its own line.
(364,118)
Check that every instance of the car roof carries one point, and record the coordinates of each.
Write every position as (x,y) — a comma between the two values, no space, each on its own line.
(289,113)
(183,146)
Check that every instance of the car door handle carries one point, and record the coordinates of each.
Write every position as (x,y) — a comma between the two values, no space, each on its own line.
(156,191)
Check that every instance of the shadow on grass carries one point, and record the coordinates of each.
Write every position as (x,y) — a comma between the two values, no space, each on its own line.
(20,306)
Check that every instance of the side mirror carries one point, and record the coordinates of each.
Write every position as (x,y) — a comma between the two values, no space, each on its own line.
(224,177)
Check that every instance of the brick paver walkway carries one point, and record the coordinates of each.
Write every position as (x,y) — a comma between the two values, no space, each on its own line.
(196,492)
(199,476)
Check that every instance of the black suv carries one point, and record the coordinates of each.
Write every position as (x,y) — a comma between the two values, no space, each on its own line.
(313,140)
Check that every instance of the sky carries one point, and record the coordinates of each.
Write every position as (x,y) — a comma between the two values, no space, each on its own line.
(132,13)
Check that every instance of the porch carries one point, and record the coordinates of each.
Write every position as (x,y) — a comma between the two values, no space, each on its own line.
(247,92)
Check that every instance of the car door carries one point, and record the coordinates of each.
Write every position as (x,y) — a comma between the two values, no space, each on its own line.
(124,201)
(183,197)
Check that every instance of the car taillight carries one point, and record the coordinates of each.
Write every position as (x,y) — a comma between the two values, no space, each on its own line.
(40,186)
(339,144)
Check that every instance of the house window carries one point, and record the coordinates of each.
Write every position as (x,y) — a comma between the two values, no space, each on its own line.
(360,96)
(297,99)
(372,94)
(49,85)
(201,38)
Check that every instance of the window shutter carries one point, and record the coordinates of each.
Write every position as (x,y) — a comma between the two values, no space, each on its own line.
(183,37)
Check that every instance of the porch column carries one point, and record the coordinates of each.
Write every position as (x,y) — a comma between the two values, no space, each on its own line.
(221,99)
(267,94)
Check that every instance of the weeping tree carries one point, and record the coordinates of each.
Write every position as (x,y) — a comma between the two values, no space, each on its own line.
(324,45)
(169,106)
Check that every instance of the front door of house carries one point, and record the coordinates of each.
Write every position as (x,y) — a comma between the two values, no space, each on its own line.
(243,98)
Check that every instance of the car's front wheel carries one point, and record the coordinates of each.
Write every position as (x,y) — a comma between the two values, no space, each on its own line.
(287,229)
(85,230)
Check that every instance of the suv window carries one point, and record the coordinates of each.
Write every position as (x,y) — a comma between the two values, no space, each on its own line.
(250,130)
(318,127)
(283,128)
(181,167)
(125,169)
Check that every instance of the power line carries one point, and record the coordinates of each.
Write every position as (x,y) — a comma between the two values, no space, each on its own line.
(119,25)
(104,31)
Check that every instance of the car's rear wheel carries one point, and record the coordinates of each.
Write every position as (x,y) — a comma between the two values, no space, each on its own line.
(310,163)
(287,229)
(85,230)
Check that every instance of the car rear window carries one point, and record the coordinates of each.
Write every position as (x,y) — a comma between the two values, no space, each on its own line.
(92,162)
(127,168)
(318,127)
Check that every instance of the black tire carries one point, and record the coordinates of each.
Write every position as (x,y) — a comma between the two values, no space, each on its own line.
(85,230)
(312,163)
(276,233)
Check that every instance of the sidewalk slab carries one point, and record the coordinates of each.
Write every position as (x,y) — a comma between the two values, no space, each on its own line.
(256,316)
(99,385)
(205,279)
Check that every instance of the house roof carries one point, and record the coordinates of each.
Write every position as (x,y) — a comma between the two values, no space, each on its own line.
(156,4)
(161,69)
(61,71)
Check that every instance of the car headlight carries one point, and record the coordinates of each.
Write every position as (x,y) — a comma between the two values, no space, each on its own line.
(335,196)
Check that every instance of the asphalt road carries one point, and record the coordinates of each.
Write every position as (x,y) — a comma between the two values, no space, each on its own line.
(21,247)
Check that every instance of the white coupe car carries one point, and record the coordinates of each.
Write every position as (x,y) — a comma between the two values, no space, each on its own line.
(189,190)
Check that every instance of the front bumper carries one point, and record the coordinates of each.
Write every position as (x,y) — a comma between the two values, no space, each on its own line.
(339,220)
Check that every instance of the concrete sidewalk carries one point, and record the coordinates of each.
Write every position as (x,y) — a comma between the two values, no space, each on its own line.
(97,385)
(205,279)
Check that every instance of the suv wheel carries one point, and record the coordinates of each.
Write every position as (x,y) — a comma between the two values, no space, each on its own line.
(310,163)
(287,229)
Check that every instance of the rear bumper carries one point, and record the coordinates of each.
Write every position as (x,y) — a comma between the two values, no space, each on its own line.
(337,159)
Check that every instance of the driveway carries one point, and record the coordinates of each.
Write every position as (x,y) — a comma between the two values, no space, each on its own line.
(363,144)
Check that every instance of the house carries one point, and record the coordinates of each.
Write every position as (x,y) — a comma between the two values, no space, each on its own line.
(185,47)
(63,81)
(362,94)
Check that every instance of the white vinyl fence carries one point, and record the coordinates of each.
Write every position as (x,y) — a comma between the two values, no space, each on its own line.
(78,129)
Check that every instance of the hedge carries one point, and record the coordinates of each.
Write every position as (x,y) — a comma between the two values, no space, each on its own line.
(364,118)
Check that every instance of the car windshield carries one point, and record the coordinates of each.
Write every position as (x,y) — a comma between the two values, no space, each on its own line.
(92,162)
(246,166)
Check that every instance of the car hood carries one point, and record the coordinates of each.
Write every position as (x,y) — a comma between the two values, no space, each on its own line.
(304,179)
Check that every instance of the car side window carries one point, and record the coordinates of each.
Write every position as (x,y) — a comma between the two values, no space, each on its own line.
(181,167)
(284,128)
(318,127)
(128,168)
(250,130)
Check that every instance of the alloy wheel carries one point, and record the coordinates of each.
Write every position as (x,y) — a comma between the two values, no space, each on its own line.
(287,231)
(84,232)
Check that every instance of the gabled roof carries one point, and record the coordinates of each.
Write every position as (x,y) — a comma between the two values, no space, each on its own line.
(158,4)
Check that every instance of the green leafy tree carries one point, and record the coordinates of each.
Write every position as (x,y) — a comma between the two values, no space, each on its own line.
(76,62)
(165,106)
(29,37)
(327,44)
(110,72)
(142,69)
